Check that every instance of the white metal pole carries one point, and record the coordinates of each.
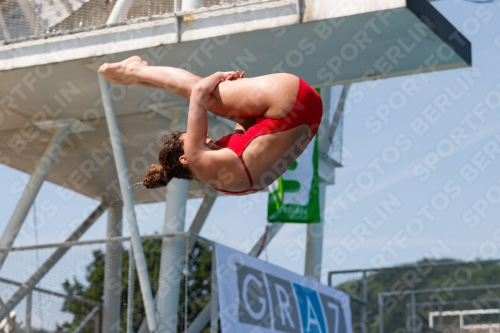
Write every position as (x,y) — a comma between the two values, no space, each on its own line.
(190,4)
(120,11)
(326,97)
(201,319)
(42,169)
(332,127)
(381,310)
(97,322)
(314,245)
(128,201)
(49,263)
(413,313)
(273,230)
(214,301)
(205,208)
(195,228)
(364,313)
(130,292)
(441,318)
(29,303)
(172,256)
(113,271)
(3,26)
(86,320)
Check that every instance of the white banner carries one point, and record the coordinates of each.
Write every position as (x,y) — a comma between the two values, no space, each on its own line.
(255,296)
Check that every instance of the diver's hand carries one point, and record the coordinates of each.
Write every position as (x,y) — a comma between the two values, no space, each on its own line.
(207,85)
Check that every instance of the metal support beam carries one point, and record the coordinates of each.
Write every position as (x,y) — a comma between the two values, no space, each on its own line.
(30,16)
(172,250)
(190,5)
(51,293)
(128,201)
(273,230)
(214,301)
(380,300)
(172,259)
(413,320)
(67,5)
(327,94)
(97,322)
(201,320)
(49,263)
(130,292)
(120,11)
(205,208)
(113,271)
(29,305)
(42,169)
(441,317)
(314,245)
(86,320)
(364,307)
(339,111)
(4,27)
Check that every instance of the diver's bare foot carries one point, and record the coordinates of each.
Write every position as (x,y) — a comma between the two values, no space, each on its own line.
(124,72)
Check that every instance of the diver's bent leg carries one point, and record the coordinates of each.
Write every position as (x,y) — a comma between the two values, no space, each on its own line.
(241,98)
(269,96)
(175,80)
(233,100)
(135,71)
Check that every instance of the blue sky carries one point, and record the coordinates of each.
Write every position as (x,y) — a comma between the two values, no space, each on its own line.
(439,208)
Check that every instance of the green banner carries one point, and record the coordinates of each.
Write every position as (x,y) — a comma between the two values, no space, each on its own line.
(294,196)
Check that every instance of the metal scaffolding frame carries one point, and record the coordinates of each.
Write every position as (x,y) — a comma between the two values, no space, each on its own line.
(119,12)
(42,169)
(113,270)
(29,302)
(314,232)
(30,284)
(314,244)
(460,314)
(65,246)
(413,293)
(366,275)
(203,211)
(169,281)
(128,201)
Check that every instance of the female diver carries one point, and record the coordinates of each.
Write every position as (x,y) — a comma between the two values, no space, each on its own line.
(277,115)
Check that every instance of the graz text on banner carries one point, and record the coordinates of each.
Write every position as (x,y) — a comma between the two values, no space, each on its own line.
(255,296)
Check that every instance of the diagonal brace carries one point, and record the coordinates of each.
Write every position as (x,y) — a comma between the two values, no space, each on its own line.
(42,169)
(27,287)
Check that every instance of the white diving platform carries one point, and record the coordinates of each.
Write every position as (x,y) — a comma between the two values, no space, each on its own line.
(326,43)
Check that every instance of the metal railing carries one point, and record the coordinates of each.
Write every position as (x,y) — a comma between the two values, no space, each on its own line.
(392,299)
(68,298)
(26,19)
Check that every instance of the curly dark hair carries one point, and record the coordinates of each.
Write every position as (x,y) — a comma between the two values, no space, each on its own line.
(161,175)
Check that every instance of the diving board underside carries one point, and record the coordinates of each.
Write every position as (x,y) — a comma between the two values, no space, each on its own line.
(50,78)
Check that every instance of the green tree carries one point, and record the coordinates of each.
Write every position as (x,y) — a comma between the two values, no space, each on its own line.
(195,278)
